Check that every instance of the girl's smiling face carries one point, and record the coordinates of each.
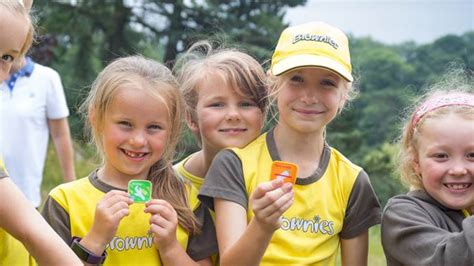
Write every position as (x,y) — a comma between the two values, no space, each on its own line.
(13,29)
(445,160)
(310,98)
(224,117)
(135,131)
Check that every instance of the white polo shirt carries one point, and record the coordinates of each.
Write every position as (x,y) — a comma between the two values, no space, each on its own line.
(24,112)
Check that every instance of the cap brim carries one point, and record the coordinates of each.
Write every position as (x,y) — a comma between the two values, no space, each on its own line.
(299,61)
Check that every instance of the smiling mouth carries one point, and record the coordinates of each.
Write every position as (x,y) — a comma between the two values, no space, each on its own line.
(308,112)
(134,154)
(458,186)
(233,130)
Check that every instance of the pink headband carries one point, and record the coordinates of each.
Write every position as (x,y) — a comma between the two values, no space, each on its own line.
(441,101)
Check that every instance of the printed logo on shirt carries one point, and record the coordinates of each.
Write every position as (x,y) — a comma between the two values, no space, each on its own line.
(128,243)
(316,225)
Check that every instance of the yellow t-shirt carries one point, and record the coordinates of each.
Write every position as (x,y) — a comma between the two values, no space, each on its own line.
(335,202)
(70,211)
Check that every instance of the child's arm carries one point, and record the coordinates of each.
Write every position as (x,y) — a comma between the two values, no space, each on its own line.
(354,251)
(269,201)
(59,130)
(163,225)
(21,220)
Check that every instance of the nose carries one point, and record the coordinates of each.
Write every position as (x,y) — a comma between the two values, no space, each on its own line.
(310,96)
(137,139)
(458,168)
(232,113)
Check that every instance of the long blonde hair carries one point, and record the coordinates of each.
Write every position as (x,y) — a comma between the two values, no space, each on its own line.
(241,71)
(160,82)
(453,82)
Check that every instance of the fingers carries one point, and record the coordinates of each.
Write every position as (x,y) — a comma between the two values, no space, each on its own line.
(275,202)
(163,222)
(114,205)
(274,191)
(108,213)
(162,208)
(266,187)
(269,207)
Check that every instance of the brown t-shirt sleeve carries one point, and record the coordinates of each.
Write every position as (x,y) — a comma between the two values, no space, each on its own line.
(363,208)
(58,219)
(224,180)
(203,245)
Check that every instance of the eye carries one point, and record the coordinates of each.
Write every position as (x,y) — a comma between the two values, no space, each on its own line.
(124,124)
(328,83)
(155,127)
(297,78)
(470,156)
(248,104)
(216,104)
(8,58)
(440,156)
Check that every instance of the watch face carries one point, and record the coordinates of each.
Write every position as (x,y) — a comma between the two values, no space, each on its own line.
(140,190)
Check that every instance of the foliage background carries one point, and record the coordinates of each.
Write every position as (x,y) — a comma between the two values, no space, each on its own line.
(78,38)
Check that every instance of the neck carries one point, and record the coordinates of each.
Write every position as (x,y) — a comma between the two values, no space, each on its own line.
(199,163)
(303,149)
(115,180)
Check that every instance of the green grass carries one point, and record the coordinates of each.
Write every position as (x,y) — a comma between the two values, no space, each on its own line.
(86,161)
(376,255)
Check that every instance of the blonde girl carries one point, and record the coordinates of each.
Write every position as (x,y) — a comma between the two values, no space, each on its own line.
(433,223)
(17,32)
(18,217)
(225,96)
(133,111)
(332,204)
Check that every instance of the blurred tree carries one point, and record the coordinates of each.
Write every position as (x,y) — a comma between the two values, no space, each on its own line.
(88,34)
(380,165)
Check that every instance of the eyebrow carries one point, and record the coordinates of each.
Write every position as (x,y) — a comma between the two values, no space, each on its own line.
(13,51)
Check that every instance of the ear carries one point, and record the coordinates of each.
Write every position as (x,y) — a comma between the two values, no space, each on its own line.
(192,125)
(416,165)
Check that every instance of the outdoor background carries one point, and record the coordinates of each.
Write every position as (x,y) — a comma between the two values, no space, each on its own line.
(78,38)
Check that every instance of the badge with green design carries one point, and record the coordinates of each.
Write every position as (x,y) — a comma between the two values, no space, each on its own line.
(139,190)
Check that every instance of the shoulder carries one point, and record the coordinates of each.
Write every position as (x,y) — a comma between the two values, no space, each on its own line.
(78,187)
(414,203)
(343,161)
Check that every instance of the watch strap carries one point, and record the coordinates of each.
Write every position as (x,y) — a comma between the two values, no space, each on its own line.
(84,254)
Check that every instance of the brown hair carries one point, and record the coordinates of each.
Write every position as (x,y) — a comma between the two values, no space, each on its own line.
(159,81)
(454,81)
(241,71)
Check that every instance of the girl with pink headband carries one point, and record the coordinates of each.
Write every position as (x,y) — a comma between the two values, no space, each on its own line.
(433,224)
